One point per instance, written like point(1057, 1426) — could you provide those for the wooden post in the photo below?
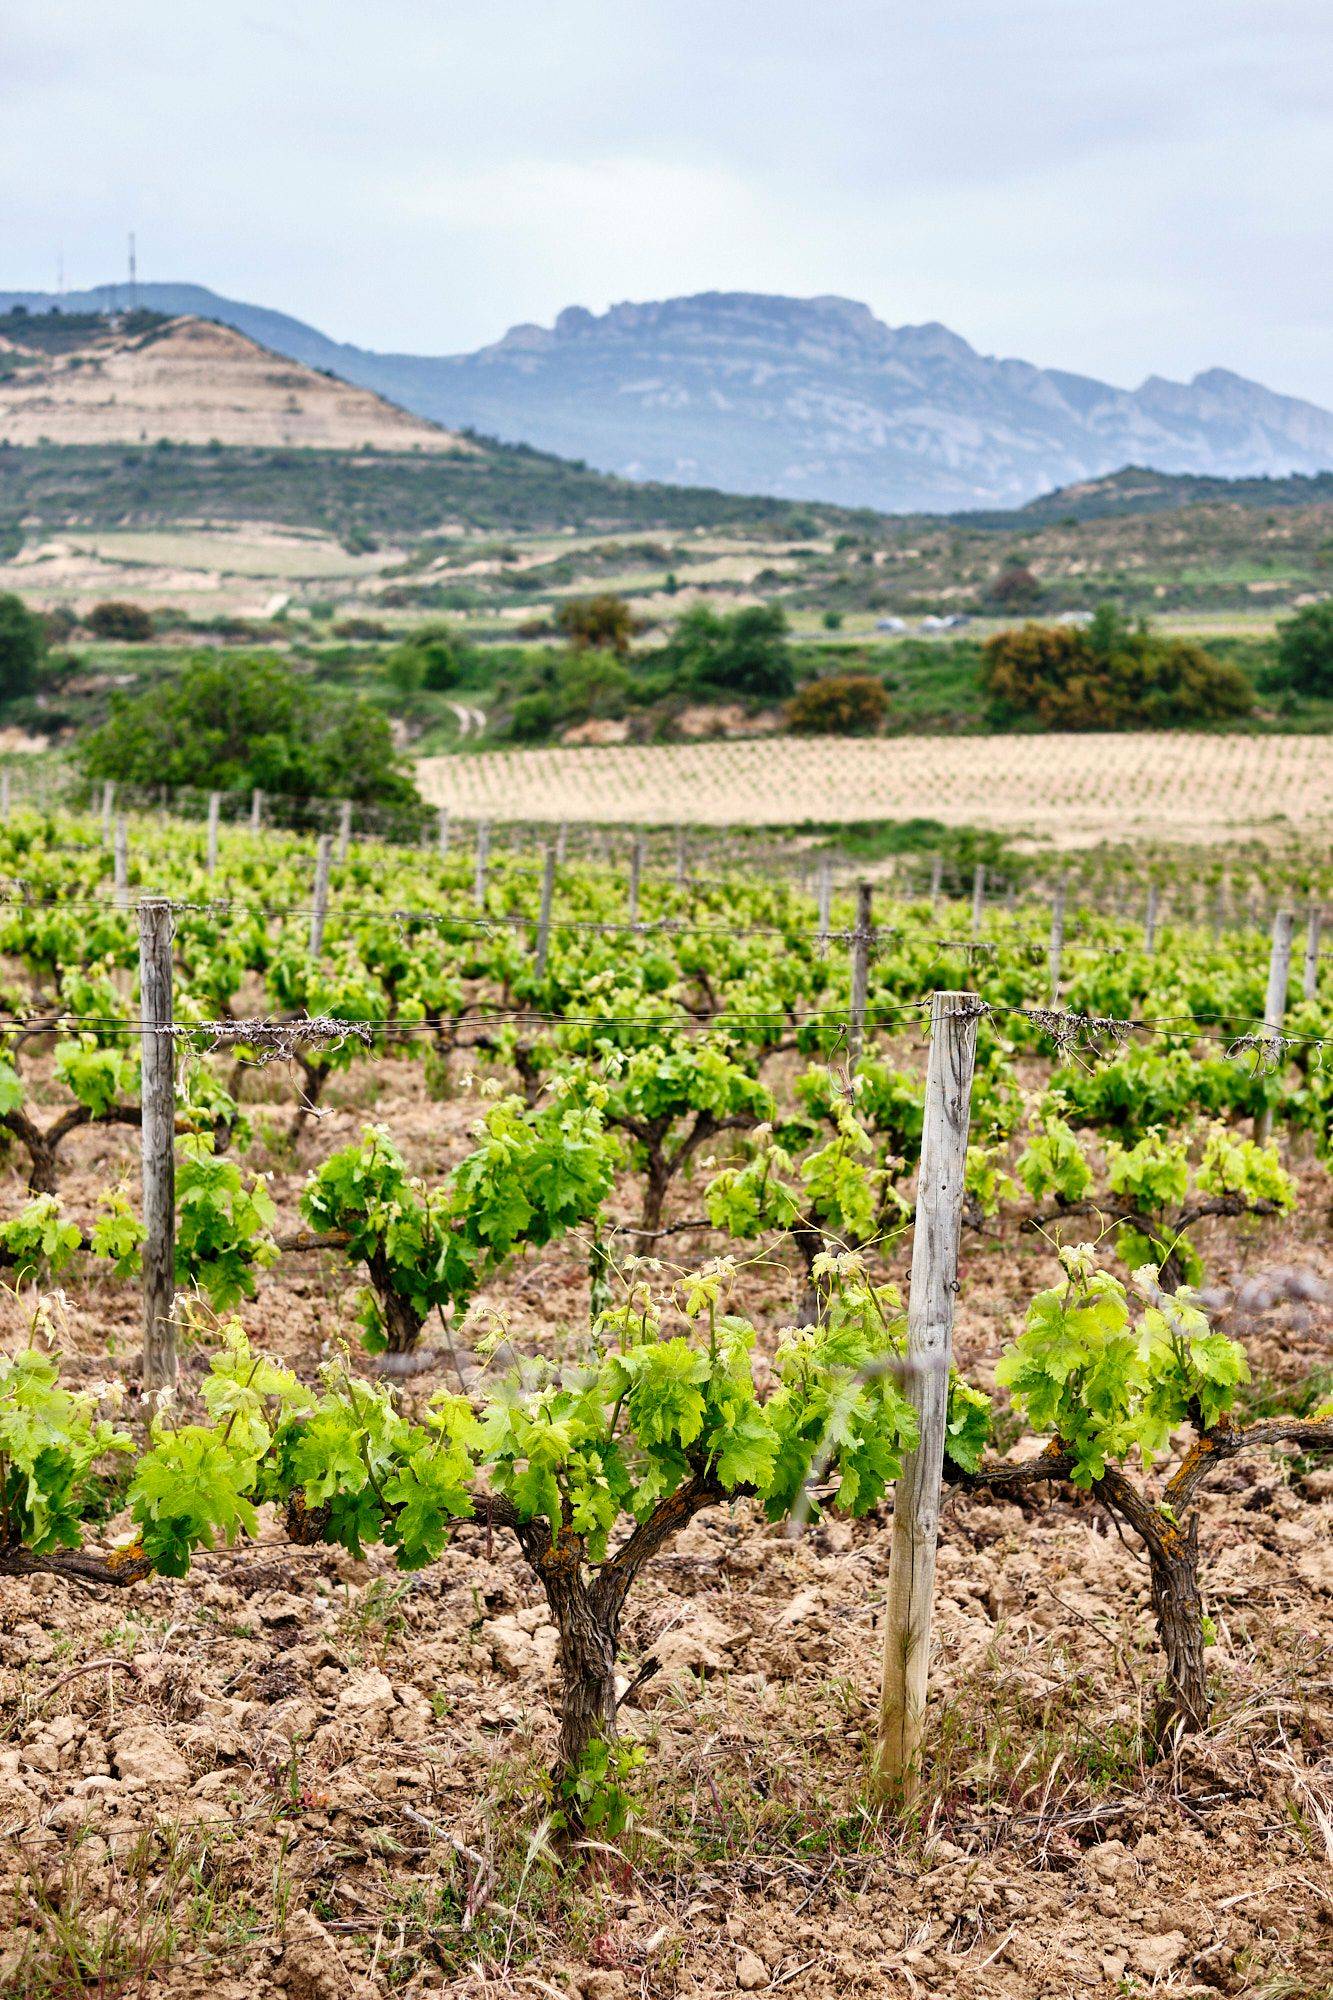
point(319, 908)
point(1057, 938)
point(824, 892)
point(1150, 919)
point(1275, 1001)
point(4, 793)
point(635, 872)
point(561, 843)
point(157, 1096)
point(442, 832)
point(121, 863)
point(861, 937)
point(544, 916)
point(916, 1499)
point(978, 897)
point(214, 812)
point(483, 849)
point(1310, 976)
point(936, 878)
point(344, 831)
point(256, 809)
point(680, 856)
point(108, 807)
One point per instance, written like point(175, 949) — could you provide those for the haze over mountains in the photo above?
point(802, 398)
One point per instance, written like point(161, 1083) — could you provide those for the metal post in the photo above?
point(1275, 1002)
point(544, 917)
point(861, 937)
point(158, 1128)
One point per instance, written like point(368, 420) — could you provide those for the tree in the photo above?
point(22, 647)
point(1305, 650)
point(746, 653)
point(433, 658)
point(601, 624)
point(1016, 589)
point(1110, 676)
point(839, 705)
point(234, 724)
point(118, 620)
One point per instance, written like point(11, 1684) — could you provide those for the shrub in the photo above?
point(118, 620)
point(22, 646)
point(434, 658)
point(1110, 675)
point(533, 719)
point(601, 624)
point(839, 705)
point(746, 653)
point(233, 724)
point(1015, 589)
point(1305, 650)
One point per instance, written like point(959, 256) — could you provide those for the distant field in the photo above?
point(1073, 790)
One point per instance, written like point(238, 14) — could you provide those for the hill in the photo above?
point(187, 380)
point(1139, 489)
point(803, 398)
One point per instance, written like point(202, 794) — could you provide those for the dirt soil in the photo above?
point(296, 1773)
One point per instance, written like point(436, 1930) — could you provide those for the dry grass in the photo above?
point(1074, 790)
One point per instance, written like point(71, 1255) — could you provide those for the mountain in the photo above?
point(84, 380)
point(803, 398)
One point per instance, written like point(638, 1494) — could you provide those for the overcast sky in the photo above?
point(1121, 187)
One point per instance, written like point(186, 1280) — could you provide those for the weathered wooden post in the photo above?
point(256, 810)
point(108, 807)
point(1310, 973)
point(1150, 919)
point(824, 892)
point(442, 832)
point(120, 864)
point(158, 1137)
point(561, 843)
point(1057, 950)
point(483, 850)
point(344, 831)
point(214, 813)
point(681, 856)
point(544, 915)
point(319, 905)
point(936, 878)
point(1275, 1003)
point(916, 1500)
point(978, 897)
point(861, 940)
point(635, 872)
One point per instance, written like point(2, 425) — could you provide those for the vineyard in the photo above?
point(633, 1416)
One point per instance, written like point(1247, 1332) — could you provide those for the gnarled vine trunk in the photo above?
point(1178, 1607)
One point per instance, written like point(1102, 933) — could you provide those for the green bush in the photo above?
point(1305, 650)
point(234, 724)
point(22, 647)
point(1110, 675)
point(434, 658)
point(839, 705)
point(746, 653)
point(603, 623)
point(118, 620)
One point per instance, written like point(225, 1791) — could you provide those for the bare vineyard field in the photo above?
point(1073, 789)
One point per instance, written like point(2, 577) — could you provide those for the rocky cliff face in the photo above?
point(806, 399)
